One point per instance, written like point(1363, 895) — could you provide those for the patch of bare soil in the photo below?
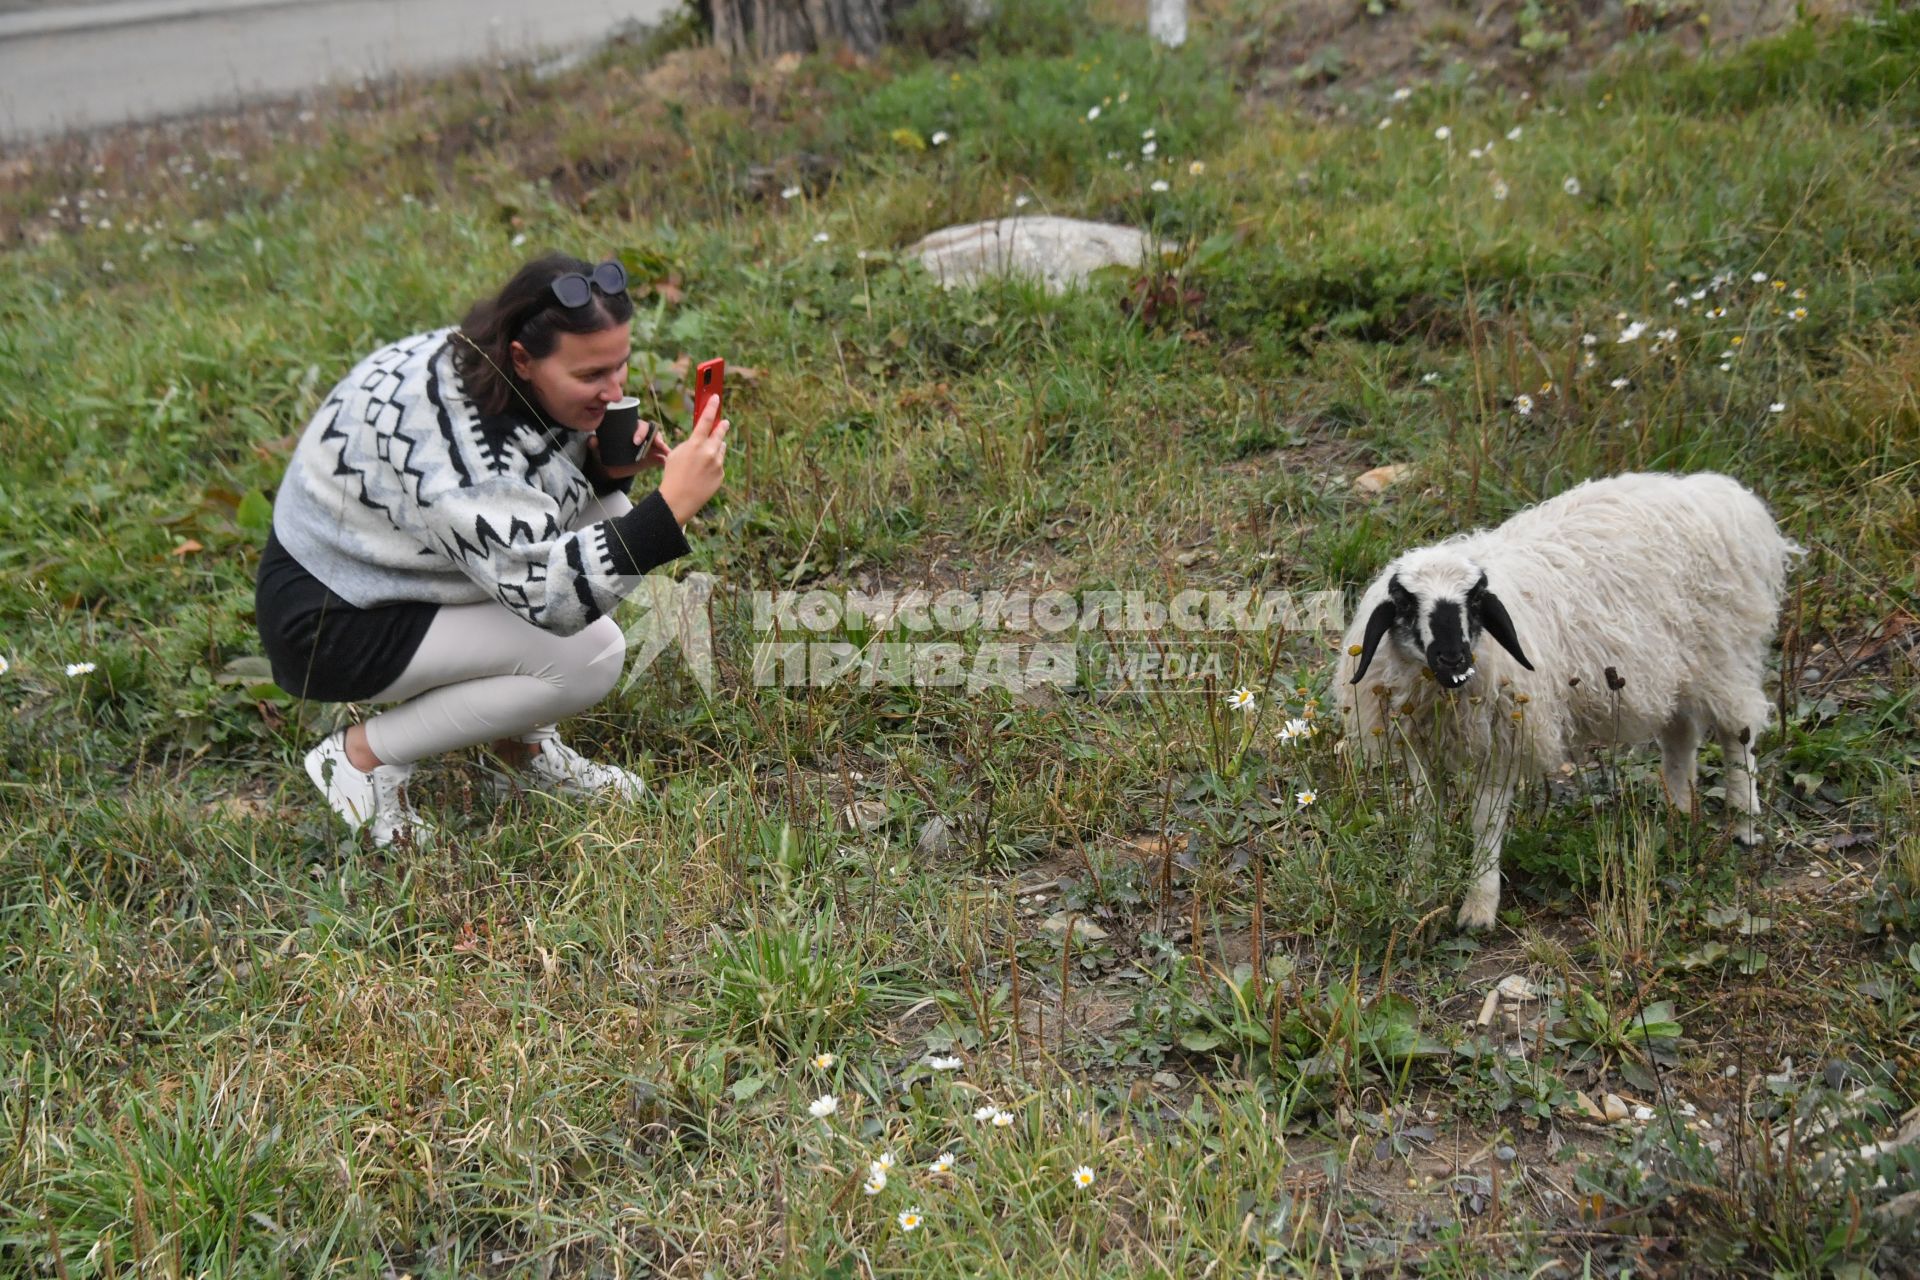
point(1320, 54)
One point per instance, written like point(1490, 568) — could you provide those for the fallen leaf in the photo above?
point(187, 547)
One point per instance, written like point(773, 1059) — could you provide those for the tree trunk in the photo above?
point(763, 28)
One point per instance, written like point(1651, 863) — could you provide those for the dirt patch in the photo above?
point(1321, 54)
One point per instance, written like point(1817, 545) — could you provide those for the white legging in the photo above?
point(483, 673)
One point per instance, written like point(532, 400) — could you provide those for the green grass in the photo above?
point(579, 1043)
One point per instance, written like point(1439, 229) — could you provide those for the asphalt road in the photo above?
point(85, 65)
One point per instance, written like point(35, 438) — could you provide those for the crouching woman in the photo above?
point(447, 541)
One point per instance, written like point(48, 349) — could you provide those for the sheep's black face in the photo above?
point(1436, 610)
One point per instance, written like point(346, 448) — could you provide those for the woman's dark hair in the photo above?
point(525, 311)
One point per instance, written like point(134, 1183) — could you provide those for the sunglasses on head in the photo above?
point(576, 290)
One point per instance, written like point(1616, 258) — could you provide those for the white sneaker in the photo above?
point(376, 800)
point(560, 770)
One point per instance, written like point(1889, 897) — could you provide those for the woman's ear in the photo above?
point(522, 362)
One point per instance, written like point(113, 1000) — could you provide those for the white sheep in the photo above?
point(1636, 607)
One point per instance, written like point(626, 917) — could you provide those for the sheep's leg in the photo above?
point(1492, 802)
point(1743, 791)
point(1680, 761)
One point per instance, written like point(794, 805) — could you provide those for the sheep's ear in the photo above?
point(1495, 622)
point(1377, 626)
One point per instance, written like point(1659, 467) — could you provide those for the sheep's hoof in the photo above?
point(1746, 837)
point(1478, 913)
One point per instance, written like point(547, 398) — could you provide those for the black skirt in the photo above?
point(323, 648)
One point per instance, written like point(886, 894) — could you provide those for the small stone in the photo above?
point(1614, 1107)
point(1187, 559)
point(1166, 1079)
point(1084, 930)
point(1516, 987)
point(1379, 478)
point(864, 815)
point(936, 838)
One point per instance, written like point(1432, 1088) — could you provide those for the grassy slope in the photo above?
point(234, 1043)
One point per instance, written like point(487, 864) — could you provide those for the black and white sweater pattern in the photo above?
point(400, 490)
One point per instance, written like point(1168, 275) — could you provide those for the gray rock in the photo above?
point(937, 838)
point(1060, 252)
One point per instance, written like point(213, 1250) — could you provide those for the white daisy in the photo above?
point(79, 668)
point(820, 237)
point(1241, 699)
point(1618, 384)
point(1571, 186)
point(1523, 405)
point(910, 1219)
point(1305, 798)
point(1093, 113)
point(1003, 1119)
point(1159, 184)
point(1499, 189)
point(986, 1113)
point(944, 1064)
point(1778, 406)
point(823, 1061)
point(939, 137)
point(1513, 134)
point(823, 1106)
point(1443, 133)
point(788, 193)
point(942, 1163)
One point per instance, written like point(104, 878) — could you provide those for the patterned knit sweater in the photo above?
point(400, 490)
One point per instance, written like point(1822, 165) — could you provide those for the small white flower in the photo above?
point(1681, 303)
point(1241, 699)
point(1113, 155)
point(1146, 133)
point(1402, 94)
point(1523, 405)
point(1295, 730)
point(1799, 293)
point(1159, 184)
point(944, 1064)
point(5, 666)
point(1618, 384)
point(1698, 294)
point(519, 239)
point(1304, 798)
point(1149, 149)
point(886, 1162)
point(986, 1113)
point(1798, 313)
point(1474, 154)
point(823, 1061)
point(79, 668)
point(910, 1219)
point(820, 237)
point(1587, 360)
point(1726, 368)
point(939, 137)
point(1778, 406)
point(788, 193)
point(1513, 134)
point(876, 1183)
point(1667, 335)
point(1385, 122)
point(1499, 189)
point(1093, 113)
point(1571, 186)
point(1758, 277)
point(1003, 1119)
point(1429, 378)
point(1443, 133)
point(1199, 167)
point(1632, 332)
point(1083, 1176)
point(1021, 202)
point(823, 1106)
point(942, 1163)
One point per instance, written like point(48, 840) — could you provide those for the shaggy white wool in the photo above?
point(1673, 582)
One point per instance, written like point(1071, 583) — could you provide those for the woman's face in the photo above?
point(583, 373)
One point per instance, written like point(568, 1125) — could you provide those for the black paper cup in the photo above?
point(617, 448)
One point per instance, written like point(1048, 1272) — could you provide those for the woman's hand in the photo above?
point(693, 469)
point(655, 455)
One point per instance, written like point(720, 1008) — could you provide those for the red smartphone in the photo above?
point(707, 382)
